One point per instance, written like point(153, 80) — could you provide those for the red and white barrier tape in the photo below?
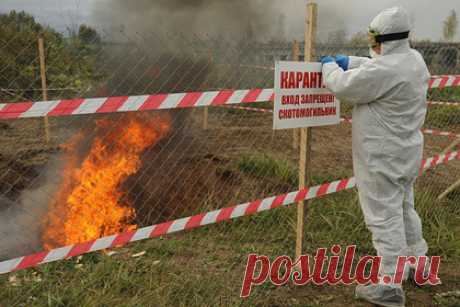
point(258, 67)
point(132, 103)
point(440, 159)
point(269, 68)
point(441, 133)
point(175, 226)
point(264, 110)
point(346, 120)
point(154, 102)
point(349, 121)
point(444, 81)
point(425, 131)
point(260, 110)
point(442, 103)
point(196, 221)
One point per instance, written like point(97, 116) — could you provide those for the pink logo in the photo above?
point(326, 269)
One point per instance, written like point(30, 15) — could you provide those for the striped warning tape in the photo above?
point(440, 159)
point(260, 110)
point(154, 102)
point(425, 131)
point(441, 81)
point(442, 103)
point(265, 110)
point(444, 81)
point(349, 121)
point(268, 68)
point(196, 221)
point(132, 103)
point(441, 133)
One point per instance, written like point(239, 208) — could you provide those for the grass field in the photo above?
point(205, 267)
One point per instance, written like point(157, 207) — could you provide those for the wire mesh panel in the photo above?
point(100, 175)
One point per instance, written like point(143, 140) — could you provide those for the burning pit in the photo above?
point(90, 201)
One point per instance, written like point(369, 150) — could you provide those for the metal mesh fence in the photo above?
point(105, 174)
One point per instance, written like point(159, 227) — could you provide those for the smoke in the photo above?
point(21, 221)
point(264, 19)
point(227, 19)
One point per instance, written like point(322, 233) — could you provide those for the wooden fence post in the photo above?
point(306, 133)
point(205, 118)
point(41, 51)
point(456, 185)
point(295, 57)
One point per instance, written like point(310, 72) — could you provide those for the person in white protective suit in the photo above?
point(388, 93)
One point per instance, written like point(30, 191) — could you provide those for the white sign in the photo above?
point(301, 99)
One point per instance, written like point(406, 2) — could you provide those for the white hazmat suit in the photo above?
point(388, 93)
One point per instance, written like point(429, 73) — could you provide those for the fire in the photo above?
point(90, 202)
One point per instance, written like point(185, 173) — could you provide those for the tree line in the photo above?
point(70, 59)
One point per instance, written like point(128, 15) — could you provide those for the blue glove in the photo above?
point(343, 61)
point(327, 59)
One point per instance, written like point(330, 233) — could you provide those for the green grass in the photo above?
point(280, 170)
point(246, 113)
point(266, 166)
point(441, 224)
point(451, 94)
point(204, 267)
point(443, 116)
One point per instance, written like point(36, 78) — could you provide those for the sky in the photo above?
point(351, 15)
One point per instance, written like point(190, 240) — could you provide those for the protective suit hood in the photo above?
point(389, 21)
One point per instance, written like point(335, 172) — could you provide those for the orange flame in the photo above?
point(89, 203)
